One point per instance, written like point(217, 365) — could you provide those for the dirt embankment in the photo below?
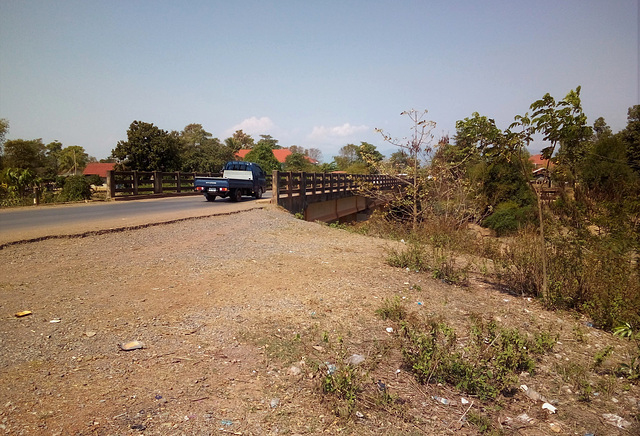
point(235, 313)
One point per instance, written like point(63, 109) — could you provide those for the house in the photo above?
point(98, 168)
point(279, 153)
point(540, 167)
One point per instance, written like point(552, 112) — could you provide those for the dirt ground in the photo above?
point(239, 317)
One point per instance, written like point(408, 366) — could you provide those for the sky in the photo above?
point(318, 74)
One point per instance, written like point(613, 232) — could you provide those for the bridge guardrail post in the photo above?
point(111, 185)
point(157, 182)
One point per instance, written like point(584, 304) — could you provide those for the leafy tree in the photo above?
point(327, 167)
point(4, 129)
point(347, 156)
point(262, 154)
point(605, 171)
point(269, 141)
point(200, 152)
point(73, 158)
point(148, 148)
point(18, 181)
point(52, 153)
point(298, 162)
point(238, 141)
point(25, 154)
point(631, 136)
point(369, 154)
point(562, 123)
point(312, 153)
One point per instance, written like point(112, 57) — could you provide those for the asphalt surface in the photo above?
point(29, 223)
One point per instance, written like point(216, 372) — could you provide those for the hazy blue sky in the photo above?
point(311, 73)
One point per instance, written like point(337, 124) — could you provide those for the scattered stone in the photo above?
point(359, 415)
point(294, 371)
point(555, 427)
point(318, 348)
point(133, 345)
point(354, 359)
point(90, 334)
point(274, 402)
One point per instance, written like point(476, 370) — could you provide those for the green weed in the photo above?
point(392, 309)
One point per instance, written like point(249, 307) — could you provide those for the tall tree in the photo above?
point(26, 154)
point(200, 152)
point(262, 154)
point(148, 148)
point(631, 136)
point(73, 158)
point(347, 156)
point(269, 141)
point(417, 145)
point(4, 129)
point(239, 140)
point(562, 123)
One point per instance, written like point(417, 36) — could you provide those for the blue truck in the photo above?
point(238, 179)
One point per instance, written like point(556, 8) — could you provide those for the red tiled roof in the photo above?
point(539, 162)
point(279, 153)
point(98, 168)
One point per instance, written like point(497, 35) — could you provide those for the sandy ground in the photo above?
point(236, 315)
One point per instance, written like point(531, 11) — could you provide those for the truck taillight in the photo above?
point(199, 188)
point(223, 189)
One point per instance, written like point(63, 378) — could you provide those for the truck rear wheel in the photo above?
point(236, 195)
point(258, 193)
point(210, 197)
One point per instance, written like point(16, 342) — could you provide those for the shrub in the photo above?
point(508, 217)
point(76, 188)
point(488, 364)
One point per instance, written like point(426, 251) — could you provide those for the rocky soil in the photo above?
point(239, 317)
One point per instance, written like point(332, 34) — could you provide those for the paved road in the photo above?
point(38, 222)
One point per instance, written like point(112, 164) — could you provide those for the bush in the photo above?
point(508, 217)
point(76, 188)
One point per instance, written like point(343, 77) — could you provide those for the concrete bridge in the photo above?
point(328, 197)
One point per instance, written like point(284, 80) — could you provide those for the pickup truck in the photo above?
point(238, 179)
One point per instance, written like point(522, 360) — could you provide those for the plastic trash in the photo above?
point(274, 402)
point(381, 386)
point(226, 422)
point(359, 414)
point(331, 368)
point(23, 313)
point(464, 401)
point(616, 420)
point(535, 396)
point(549, 408)
point(440, 399)
point(389, 329)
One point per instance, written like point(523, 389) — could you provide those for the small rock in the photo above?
point(359, 415)
point(274, 402)
point(354, 359)
point(90, 334)
point(294, 371)
point(555, 427)
point(133, 345)
point(318, 348)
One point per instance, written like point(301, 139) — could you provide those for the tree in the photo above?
point(262, 154)
point(73, 158)
point(297, 162)
point(369, 154)
point(238, 141)
point(417, 145)
point(200, 152)
point(631, 136)
point(148, 148)
point(269, 141)
point(4, 129)
point(562, 123)
point(25, 154)
point(348, 155)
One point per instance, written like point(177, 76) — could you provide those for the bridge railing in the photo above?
point(140, 184)
point(295, 190)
